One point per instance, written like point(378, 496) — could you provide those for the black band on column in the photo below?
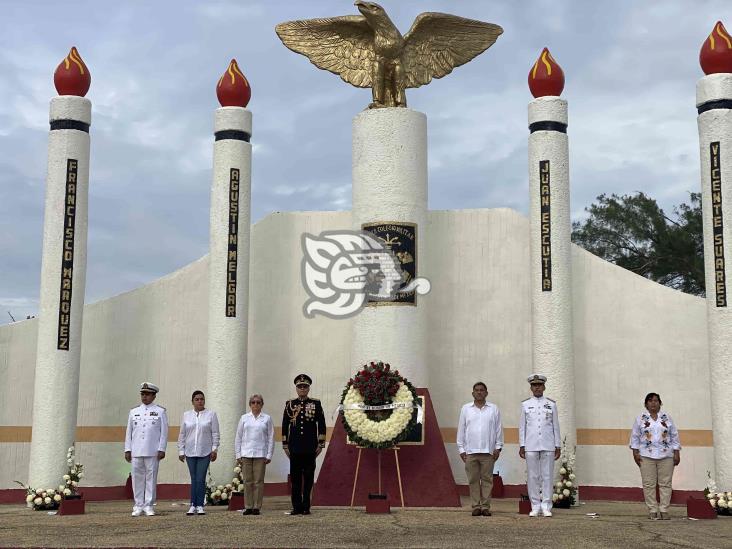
point(68, 124)
point(232, 134)
point(719, 104)
point(548, 126)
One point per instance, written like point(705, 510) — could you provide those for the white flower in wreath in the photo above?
point(565, 492)
point(47, 500)
point(67, 492)
point(56, 498)
point(713, 503)
point(66, 477)
point(722, 503)
point(29, 498)
point(710, 496)
point(81, 475)
point(378, 431)
point(558, 484)
point(562, 471)
point(560, 496)
point(61, 487)
point(37, 501)
point(555, 497)
point(568, 484)
point(224, 496)
point(572, 476)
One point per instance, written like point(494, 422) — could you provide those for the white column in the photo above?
point(228, 288)
point(390, 184)
point(714, 102)
point(550, 255)
point(63, 280)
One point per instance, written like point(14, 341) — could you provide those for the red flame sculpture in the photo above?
point(233, 89)
point(72, 76)
point(546, 77)
point(716, 51)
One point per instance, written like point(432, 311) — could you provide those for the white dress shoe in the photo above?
point(149, 511)
point(191, 511)
point(534, 513)
point(200, 511)
point(136, 511)
point(547, 512)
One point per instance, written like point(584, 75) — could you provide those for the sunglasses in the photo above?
point(302, 386)
point(256, 402)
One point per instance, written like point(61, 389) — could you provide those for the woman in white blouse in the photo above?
point(654, 440)
point(254, 445)
point(198, 442)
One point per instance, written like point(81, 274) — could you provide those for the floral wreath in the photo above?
point(377, 405)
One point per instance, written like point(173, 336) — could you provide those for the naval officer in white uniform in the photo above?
point(145, 444)
point(540, 445)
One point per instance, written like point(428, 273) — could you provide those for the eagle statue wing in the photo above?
point(341, 45)
point(439, 42)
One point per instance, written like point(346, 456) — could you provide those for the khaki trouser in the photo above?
point(479, 468)
point(253, 469)
point(657, 471)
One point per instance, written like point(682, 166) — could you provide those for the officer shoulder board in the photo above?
point(551, 400)
point(313, 398)
point(524, 400)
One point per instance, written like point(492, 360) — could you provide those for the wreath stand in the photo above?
point(379, 503)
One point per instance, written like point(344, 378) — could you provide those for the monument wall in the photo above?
point(631, 335)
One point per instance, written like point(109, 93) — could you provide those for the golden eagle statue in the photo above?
point(368, 51)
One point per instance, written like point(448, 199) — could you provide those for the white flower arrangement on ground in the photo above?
point(221, 494)
point(377, 385)
point(720, 501)
point(565, 489)
point(50, 498)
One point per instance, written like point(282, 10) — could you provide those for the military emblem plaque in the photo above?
point(387, 283)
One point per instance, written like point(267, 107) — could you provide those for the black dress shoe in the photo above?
point(248, 512)
point(255, 511)
point(296, 512)
point(306, 512)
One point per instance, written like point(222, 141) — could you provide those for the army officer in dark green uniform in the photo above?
point(303, 438)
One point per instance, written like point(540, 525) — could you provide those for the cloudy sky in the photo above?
point(631, 68)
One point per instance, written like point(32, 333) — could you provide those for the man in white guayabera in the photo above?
point(540, 445)
point(479, 441)
point(145, 443)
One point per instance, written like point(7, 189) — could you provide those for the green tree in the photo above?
point(633, 232)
